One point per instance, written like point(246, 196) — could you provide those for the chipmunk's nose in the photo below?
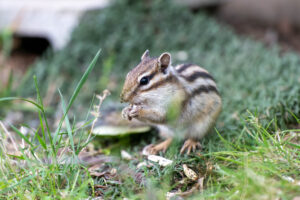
point(125, 96)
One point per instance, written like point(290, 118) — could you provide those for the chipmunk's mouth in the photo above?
point(138, 102)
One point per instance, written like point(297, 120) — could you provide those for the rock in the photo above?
point(160, 160)
point(125, 155)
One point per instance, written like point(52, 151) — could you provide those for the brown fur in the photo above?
point(131, 82)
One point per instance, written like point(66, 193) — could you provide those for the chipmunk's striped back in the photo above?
point(195, 80)
point(202, 102)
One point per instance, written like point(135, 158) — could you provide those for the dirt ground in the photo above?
point(269, 21)
point(24, 53)
point(284, 34)
point(17, 64)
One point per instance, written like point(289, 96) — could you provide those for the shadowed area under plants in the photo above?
point(250, 155)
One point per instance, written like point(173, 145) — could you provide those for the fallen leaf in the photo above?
point(160, 160)
point(142, 164)
point(189, 173)
point(173, 196)
point(97, 174)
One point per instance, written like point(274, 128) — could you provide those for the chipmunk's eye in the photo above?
point(144, 80)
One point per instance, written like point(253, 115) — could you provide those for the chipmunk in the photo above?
point(152, 87)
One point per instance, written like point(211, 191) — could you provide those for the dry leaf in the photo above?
point(141, 164)
point(173, 196)
point(200, 183)
point(190, 173)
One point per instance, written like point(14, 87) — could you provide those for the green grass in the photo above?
point(252, 154)
point(6, 42)
point(40, 171)
point(262, 170)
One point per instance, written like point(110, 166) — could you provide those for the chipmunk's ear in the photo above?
point(164, 61)
point(146, 54)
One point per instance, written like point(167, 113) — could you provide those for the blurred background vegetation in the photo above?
point(250, 76)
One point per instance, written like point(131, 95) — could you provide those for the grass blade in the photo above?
point(41, 141)
point(43, 112)
point(69, 130)
point(76, 92)
point(22, 99)
point(18, 183)
point(22, 136)
point(42, 129)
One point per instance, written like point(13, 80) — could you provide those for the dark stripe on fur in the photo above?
point(137, 88)
point(204, 89)
point(152, 75)
point(184, 67)
point(198, 91)
point(168, 79)
point(197, 75)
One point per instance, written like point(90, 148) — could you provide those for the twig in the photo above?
point(96, 112)
point(9, 135)
point(196, 187)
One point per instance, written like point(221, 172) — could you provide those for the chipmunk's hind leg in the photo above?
point(190, 145)
point(194, 133)
point(163, 146)
point(164, 132)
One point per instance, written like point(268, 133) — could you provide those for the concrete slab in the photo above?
point(51, 19)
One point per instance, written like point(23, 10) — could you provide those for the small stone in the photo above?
point(160, 160)
point(141, 164)
point(125, 155)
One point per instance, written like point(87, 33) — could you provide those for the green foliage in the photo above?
point(41, 172)
point(173, 112)
point(267, 170)
point(6, 42)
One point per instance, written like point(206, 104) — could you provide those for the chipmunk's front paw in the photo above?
point(125, 112)
point(131, 111)
point(135, 110)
